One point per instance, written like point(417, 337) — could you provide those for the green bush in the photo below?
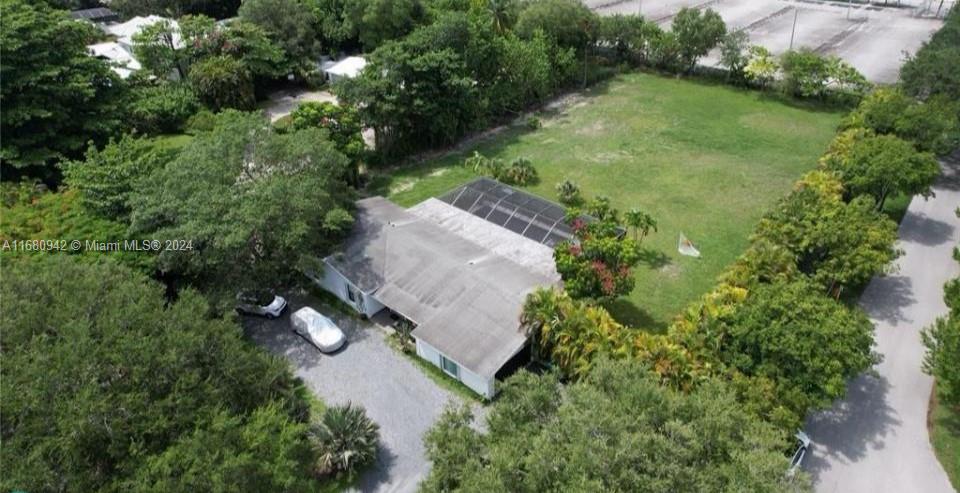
point(568, 192)
point(520, 172)
point(162, 108)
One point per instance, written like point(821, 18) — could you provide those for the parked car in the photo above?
point(317, 329)
point(263, 304)
point(803, 444)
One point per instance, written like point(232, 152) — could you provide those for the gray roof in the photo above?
point(465, 298)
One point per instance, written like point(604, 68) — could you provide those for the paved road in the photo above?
point(876, 439)
point(397, 395)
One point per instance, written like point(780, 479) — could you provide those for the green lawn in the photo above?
point(945, 437)
point(703, 158)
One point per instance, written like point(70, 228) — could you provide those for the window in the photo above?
point(350, 294)
point(449, 366)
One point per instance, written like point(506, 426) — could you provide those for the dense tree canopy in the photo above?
point(837, 244)
point(697, 32)
point(218, 9)
point(931, 126)
point(617, 430)
point(108, 177)
point(256, 204)
point(107, 384)
point(291, 24)
point(55, 96)
point(796, 336)
point(880, 166)
point(566, 22)
point(935, 69)
point(942, 341)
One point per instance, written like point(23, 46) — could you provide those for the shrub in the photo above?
point(162, 108)
point(345, 439)
point(222, 82)
point(202, 121)
point(569, 192)
point(533, 123)
point(520, 172)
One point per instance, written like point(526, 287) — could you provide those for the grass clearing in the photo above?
point(944, 424)
point(705, 159)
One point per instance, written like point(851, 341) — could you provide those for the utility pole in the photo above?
point(639, 8)
point(793, 30)
point(848, 8)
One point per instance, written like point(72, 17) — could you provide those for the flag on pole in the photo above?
point(685, 247)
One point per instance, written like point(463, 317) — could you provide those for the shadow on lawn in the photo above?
point(630, 314)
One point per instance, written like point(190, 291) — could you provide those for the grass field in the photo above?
point(705, 159)
point(945, 437)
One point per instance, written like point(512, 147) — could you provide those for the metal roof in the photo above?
point(98, 14)
point(465, 298)
point(516, 210)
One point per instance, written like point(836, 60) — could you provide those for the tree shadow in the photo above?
point(655, 259)
point(630, 314)
point(950, 167)
point(845, 431)
point(378, 474)
point(885, 298)
point(917, 227)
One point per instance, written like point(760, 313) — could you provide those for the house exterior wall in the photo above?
point(483, 386)
point(335, 283)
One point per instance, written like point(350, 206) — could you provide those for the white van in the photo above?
point(317, 329)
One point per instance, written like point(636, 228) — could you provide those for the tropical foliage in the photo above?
point(345, 439)
point(616, 430)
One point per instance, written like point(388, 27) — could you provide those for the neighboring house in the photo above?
point(120, 51)
point(98, 15)
point(121, 59)
point(458, 267)
point(345, 68)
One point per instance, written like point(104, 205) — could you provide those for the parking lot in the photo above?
point(873, 38)
point(396, 394)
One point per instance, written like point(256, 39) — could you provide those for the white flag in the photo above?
point(685, 247)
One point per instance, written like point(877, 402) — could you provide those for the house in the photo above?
point(458, 267)
point(348, 67)
point(119, 52)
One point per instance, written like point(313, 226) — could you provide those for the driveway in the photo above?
point(396, 394)
point(281, 103)
point(876, 439)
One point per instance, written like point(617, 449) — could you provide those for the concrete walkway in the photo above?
point(876, 439)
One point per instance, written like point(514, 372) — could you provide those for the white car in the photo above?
point(317, 329)
point(264, 305)
point(803, 444)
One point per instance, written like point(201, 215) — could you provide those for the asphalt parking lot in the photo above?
point(395, 393)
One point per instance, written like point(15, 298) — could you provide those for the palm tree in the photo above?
point(641, 222)
point(539, 319)
point(345, 439)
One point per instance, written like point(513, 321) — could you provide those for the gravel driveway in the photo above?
point(396, 394)
point(876, 439)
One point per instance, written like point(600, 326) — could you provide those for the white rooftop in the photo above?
point(125, 31)
point(122, 61)
point(350, 66)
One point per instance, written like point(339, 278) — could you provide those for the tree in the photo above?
point(942, 340)
point(931, 126)
point(697, 33)
point(222, 82)
point(881, 166)
point(935, 69)
point(762, 68)
point(107, 178)
point(837, 244)
point(797, 337)
point(417, 92)
point(599, 263)
point(257, 206)
point(342, 123)
point(265, 451)
point(290, 24)
point(617, 430)
point(244, 41)
point(55, 96)
point(641, 222)
point(103, 376)
point(159, 49)
point(375, 22)
point(562, 21)
point(525, 75)
point(346, 440)
point(568, 192)
point(734, 53)
point(161, 108)
point(846, 78)
point(218, 9)
point(805, 73)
